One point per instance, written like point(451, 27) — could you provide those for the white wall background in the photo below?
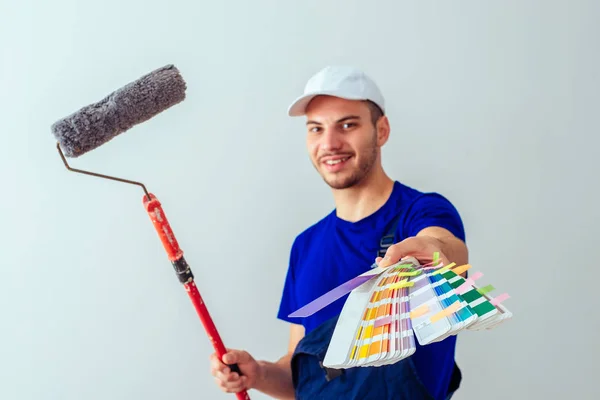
point(494, 104)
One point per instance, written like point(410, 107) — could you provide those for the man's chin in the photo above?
point(340, 182)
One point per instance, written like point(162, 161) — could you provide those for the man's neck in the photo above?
point(364, 199)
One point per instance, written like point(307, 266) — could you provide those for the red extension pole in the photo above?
point(184, 273)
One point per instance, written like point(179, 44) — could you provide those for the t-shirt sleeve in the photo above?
point(433, 209)
point(288, 303)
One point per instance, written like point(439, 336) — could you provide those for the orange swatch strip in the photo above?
point(419, 311)
point(461, 269)
point(446, 312)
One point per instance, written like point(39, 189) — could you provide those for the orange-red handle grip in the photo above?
point(161, 224)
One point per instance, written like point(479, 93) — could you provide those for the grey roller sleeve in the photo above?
point(97, 123)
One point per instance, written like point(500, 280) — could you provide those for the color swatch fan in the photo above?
point(390, 309)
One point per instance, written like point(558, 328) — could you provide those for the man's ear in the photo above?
point(383, 130)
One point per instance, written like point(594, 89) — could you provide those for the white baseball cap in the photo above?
point(340, 81)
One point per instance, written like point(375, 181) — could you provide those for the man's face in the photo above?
point(342, 142)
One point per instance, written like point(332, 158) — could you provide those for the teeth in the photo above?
point(333, 162)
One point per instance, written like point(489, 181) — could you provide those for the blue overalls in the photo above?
point(398, 381)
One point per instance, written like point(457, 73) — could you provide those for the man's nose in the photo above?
point(330, 140)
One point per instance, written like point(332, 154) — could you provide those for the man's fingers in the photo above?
point(228, 381)
point(416, 247)
point(236, 357)
point(227, 376)
point(234, 387)
point(402, 249)
point(393, 254)
point(217, 365)
point(238, 385)
point(231, 357)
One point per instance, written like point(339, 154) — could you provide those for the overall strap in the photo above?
point(390, 237)
point(386, 241)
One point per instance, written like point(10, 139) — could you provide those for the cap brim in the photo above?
point(298, 107)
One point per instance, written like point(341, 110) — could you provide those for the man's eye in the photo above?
point(348, 125)
point(314, 129)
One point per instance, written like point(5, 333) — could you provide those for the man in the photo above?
point(346, 129)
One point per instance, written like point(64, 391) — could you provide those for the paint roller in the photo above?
point(99, 123)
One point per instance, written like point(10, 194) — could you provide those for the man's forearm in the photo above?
point(455, 250)
point(275, 379)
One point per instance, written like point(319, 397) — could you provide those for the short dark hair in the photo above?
point(375, 110)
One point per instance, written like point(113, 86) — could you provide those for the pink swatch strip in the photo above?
point(383, 321)
point(499, 299)
point(468, 284)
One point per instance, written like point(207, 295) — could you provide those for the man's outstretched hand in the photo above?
point(420, 247)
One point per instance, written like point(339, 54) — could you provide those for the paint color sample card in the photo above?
point(488, 314)
point(462, 316)
point(374, 326)
point(351, 319)
point(423, 297)
point(384, 316)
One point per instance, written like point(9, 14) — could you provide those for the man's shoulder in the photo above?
point(406, 192)
point(410, 194)
point(407, 197)
point(425, 208)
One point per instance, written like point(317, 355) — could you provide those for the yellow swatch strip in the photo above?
point(360, 328)
point(402, 284)
point(409, 273)
point(446, 312)
point(363, 351)
point(368, 332)
point(443, 269)
point(436, 258)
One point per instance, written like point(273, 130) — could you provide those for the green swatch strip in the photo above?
point(486, 289)
point(471, 296)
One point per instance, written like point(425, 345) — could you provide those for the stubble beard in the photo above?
point(362, 170)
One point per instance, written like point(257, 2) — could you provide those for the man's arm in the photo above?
point(275, 379)
point(422, 246)
point(455, 249)
point(272, 378)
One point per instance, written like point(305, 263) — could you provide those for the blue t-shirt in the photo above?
point(333, 251)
